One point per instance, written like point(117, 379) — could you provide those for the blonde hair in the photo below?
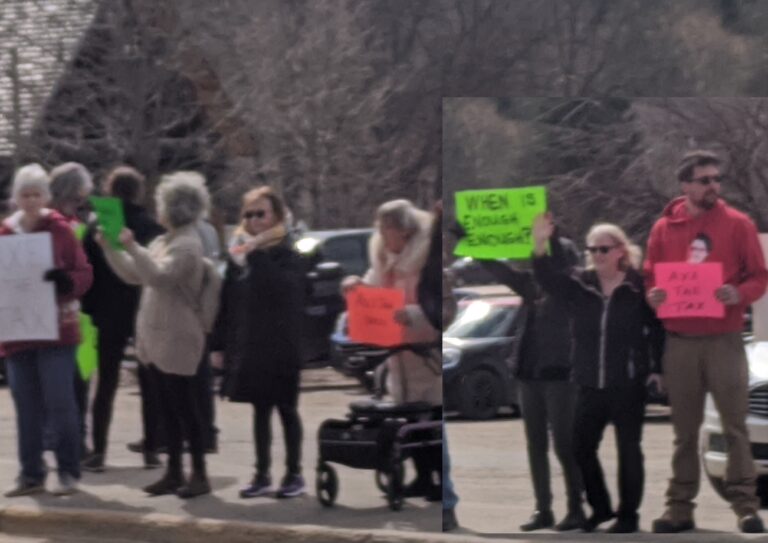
point(633, 255)
point(399, 214)
point(264, 192)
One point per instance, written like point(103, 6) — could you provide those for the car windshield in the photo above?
point(482, 319)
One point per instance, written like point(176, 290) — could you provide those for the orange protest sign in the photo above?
point(690, 289)
point(371, 315)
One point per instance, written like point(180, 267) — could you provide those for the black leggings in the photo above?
point(262, 430)
point(180, 407)
point(111, 348)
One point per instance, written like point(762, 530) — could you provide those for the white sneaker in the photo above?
point(67, 486)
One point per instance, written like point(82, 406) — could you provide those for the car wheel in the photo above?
point(480, 395)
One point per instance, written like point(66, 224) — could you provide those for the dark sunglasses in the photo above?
point(707, 179)
point(260, 214)
point(602, 249)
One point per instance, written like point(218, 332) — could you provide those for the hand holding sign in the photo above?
point(371, 315)
point(499, 222)
point(109, 212)
point(728, 294)
point(543, 228)
point(690, 289)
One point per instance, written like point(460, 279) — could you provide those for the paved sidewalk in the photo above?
point(360, 505)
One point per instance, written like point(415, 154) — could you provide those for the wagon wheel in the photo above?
point(326, 484)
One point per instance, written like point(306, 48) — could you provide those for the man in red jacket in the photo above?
point(707, 354)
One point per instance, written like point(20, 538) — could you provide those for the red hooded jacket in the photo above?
point(734, 242)
point(68, 255)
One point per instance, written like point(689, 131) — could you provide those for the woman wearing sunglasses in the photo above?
point(258, 332)
point(617, 348)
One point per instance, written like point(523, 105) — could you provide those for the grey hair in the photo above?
point(30, 176)
point(68, 180)
point(400, 214)
point(182, 198)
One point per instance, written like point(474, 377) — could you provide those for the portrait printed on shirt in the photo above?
point(699, 249)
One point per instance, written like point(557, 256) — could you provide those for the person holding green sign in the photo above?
point(71, 183)
point(113, 305)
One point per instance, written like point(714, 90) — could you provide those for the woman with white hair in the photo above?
point(398, 251)
point(41, 373)
point(616, 351)
point(170, 335)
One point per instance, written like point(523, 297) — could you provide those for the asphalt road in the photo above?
point(491, 475)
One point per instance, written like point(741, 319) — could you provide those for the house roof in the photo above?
point(39, 39)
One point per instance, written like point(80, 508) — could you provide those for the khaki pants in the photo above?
point(694, 366)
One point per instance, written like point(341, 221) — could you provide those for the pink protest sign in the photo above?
point(690, 289)
point(371, 315)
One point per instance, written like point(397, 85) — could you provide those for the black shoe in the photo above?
point(94, 463)
point(751, 524)
point(138, 447)
point(418, 488)
point(197, 486)
point(665, 525)
point(596, 520)
point(434, 493)
point(169, 484)
point(574, 520)
point(449, 520)
point(151, 460)
point(624, 526)
point(538, 521)
point(85, 452)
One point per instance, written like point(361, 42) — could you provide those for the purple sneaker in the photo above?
point(260, 486)
point(291, 486)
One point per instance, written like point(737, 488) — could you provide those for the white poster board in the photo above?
point(28, 308)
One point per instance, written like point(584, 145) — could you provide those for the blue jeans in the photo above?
point(450, 499)
point(41, 385)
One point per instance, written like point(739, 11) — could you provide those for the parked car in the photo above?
point(713, 444)
point(331, 255)
point(479, 353)
point(467, 271)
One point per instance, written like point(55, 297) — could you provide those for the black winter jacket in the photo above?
point(618, 340)
point(110, 302)
point(544, 352)
point(259, 326)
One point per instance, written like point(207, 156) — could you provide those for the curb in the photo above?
point(156, 527)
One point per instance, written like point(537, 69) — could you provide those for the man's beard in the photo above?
point(708, 201)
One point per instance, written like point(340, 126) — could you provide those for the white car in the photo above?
point(712, 440)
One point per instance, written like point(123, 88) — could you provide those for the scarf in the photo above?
point(243, 243)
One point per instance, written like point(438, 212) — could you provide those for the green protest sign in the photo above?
point(498, 222)
point(109, 212)
point(80, 230)
point(88, 351)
